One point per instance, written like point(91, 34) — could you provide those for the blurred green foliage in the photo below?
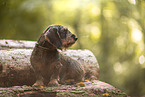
point(114, 30)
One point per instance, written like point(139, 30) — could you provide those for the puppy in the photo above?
point(50, 66)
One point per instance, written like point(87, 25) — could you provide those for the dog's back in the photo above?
point(71, 70)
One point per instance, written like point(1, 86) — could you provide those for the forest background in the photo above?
point(114, 30)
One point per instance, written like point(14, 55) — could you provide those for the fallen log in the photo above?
point(93, 88)
point(15, 67)
point(8, 44)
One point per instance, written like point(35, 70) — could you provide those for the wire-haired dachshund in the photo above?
point(50, 66)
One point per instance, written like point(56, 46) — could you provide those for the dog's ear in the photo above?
point(53, 37)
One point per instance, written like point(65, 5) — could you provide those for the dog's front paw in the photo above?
point(53, 83)
point(38, 83)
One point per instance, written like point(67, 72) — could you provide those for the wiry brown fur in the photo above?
point(71, 71)
point(50, 66)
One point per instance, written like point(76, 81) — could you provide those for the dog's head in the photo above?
point(60, 36)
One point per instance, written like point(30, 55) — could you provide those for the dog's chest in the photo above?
point(50, 57)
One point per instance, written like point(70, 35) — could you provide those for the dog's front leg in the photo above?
point(55, 77)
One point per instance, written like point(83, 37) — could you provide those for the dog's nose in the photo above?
point(73, 36)
point(76, 38)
